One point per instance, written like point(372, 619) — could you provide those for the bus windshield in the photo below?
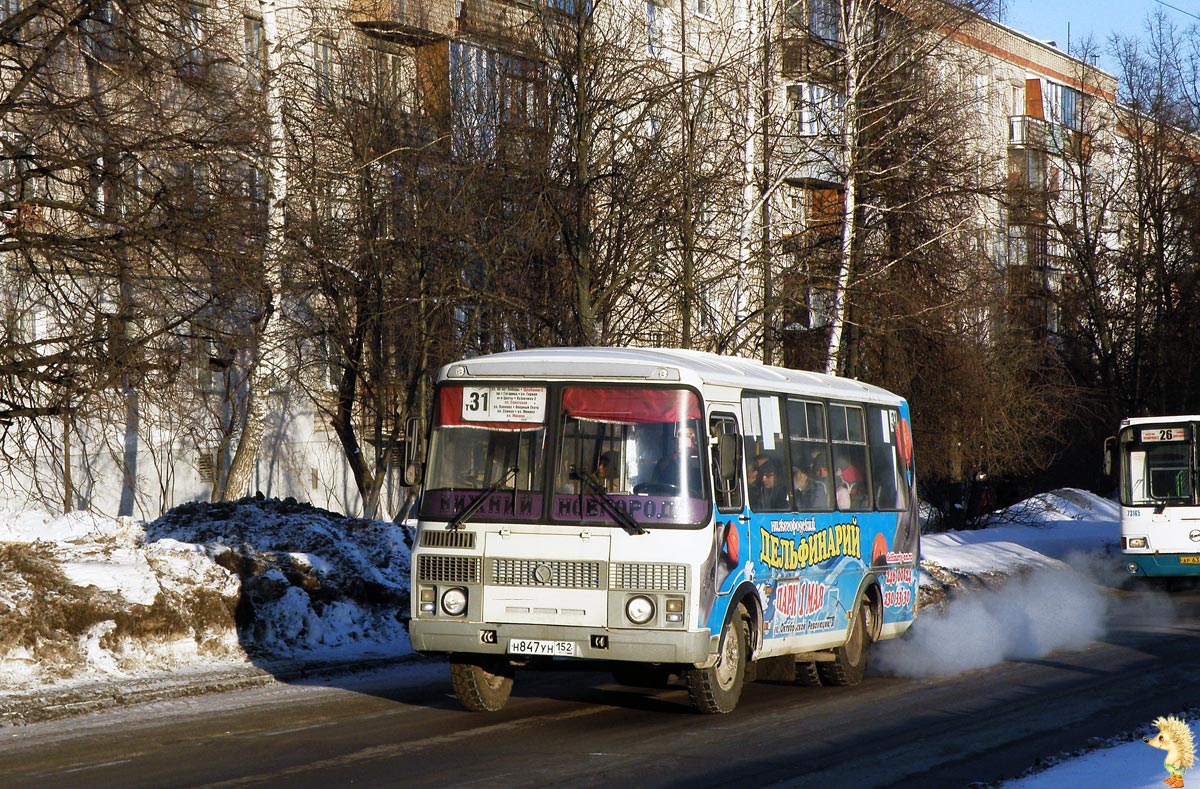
point(485, 437)
point(1158, 466)
point(625, 456)
point(636, 448)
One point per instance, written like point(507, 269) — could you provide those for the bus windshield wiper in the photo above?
point(457, 522)
point(619, 515)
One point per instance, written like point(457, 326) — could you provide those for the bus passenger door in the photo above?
point(729, 537)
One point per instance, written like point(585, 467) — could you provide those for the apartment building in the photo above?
point(715, 184)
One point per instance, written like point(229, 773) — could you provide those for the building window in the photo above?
point(821, 18)
point(703, 8)
point(702, 100)
point(522, 93)
point(99, 30)
point(256, 56)
point(656, 30)
point(474, 96)
point(1071, 103)
point(1027, 168)
point(97, 189)
point(191, 31)
point(812, 109)
point(392, 77)
point(8, 10)
point(323, 67)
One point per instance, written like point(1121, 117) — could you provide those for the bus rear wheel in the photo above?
point(481, 684)
point(716, 689)
point(807, 674)
point(850, 660)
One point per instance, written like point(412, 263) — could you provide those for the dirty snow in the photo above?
point(85, 598)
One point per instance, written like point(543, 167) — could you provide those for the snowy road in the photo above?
point(401, 727)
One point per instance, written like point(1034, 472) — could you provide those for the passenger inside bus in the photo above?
point(768, 493)
point(681, 468)
point(809, 491)
point(849, 487)
point(607, 471)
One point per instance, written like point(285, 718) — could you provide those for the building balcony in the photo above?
point(812, 160)
point(1026, 131)
point(812, 58)
point(410, 21)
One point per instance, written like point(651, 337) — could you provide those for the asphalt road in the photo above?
point(402, 727)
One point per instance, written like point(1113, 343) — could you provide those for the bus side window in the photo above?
point(812, 489)
point(852, 482)
point(887, 466)
point(726, 462)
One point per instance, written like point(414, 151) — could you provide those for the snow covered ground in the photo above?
point(210, 594)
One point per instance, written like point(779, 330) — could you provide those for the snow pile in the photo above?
point(83, 597)
point(1049, 531)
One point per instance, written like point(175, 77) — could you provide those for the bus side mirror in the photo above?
point(414, 433)
point(1110, 455)
point(727, 455)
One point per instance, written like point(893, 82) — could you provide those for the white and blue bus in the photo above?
point(1160, 514)
point(666, 512)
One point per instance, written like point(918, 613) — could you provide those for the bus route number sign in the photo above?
point(517, 404)
point(1159, 434)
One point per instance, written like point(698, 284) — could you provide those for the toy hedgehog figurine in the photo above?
point(1175, 738)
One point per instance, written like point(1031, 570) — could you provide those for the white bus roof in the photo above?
point(1159, 420)
point(660, 365)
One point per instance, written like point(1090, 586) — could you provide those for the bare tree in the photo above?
point(122, 150)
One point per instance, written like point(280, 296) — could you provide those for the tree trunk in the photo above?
point(266, 366)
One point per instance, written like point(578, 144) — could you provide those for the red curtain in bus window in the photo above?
point(630, 405)
point(450, 413)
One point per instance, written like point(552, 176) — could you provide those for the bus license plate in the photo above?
point(529, 646)
point(1189, 559)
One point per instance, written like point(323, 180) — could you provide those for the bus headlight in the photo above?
point(1137, 542)
point(640, 609)
point(454, 601)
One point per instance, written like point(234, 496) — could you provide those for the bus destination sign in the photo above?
point(1159, 434)
point(519, 404)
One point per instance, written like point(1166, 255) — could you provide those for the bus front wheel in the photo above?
point(850, 661)
point(481, 684)
point(716, 689)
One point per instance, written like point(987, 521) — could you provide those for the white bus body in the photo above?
point(607, 504)
point(1160, 515)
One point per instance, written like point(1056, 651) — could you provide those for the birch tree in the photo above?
point(267, 366)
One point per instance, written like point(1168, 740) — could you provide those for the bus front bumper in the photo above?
point(1151, 564)
point(591, 643)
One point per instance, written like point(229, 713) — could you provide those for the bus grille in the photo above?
point(649, 577)
point(447, 539)
point(558, 573)
point(449, 569)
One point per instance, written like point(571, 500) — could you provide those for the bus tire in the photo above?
point(807, 675)
point(716, 690)
point(481, 684)
point(850, 660)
